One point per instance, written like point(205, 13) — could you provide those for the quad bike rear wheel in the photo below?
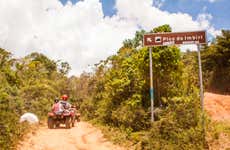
point(68, 122)
point(57, 125)
point(50, 123)
point(78, 119)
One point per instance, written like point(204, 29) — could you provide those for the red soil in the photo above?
point(217, 106)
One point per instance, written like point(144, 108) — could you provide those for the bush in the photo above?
point(179, 127)
point(27, 85)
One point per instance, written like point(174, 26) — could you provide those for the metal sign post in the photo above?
point(201, 91)
point(200, 79)
point(151, 84)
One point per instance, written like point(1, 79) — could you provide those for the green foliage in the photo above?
point(190, 70)
point(65, 68)
point(27, 85)
point(178, 127)
point(218, 134)
point(216, 62)
point(136, 41)
point(118, 95)
point(36, 58)
point(163, 28)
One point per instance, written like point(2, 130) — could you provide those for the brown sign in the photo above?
point(176, 38)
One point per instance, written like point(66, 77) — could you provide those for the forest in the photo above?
point(116, 93)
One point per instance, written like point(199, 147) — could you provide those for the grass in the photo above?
point(218, 135)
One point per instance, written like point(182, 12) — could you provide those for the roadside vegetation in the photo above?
point(28, 84)
point(115, 95)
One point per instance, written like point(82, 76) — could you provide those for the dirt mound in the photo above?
point(217, 106)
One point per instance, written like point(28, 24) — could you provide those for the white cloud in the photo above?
point(204, 8)
point(158, 3)
point(80, 34)
point(212, 1)
point(77, 33)
point(148, 16)
point(204, 22)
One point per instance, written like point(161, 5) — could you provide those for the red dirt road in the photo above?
point(217, 106)
point(82, 137)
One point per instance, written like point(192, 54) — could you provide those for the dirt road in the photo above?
point(82, 137)
point(217, 106)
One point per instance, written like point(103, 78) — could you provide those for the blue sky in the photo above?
point(219, 9)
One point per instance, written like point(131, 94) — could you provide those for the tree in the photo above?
point(216, 61)
point(163, 28)
point(64, 68)
point(28, 84)
point(121, 83)
point(49, 65)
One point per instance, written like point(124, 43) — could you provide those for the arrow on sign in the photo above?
point(149, 40)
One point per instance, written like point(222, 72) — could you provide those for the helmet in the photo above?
point(64, 97)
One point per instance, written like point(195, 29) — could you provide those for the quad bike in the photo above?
point(67, 117)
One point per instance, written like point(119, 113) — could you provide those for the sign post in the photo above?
point(201, 91)
point(151, 84)
point(176, 38)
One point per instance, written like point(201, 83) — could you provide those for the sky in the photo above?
point(83, 32)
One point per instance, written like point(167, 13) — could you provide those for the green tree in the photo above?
point(163, 28)
point(28, 84)
point(216, 61)
point(118, 95)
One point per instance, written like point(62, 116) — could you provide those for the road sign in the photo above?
point(174, 38)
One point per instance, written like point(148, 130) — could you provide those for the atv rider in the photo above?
point(57, 107)
point(66, 105)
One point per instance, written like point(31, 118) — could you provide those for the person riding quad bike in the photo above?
point(57, 107)
point(62, 113)
point(66, 105)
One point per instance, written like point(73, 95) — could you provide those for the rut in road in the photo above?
point(81, 137)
